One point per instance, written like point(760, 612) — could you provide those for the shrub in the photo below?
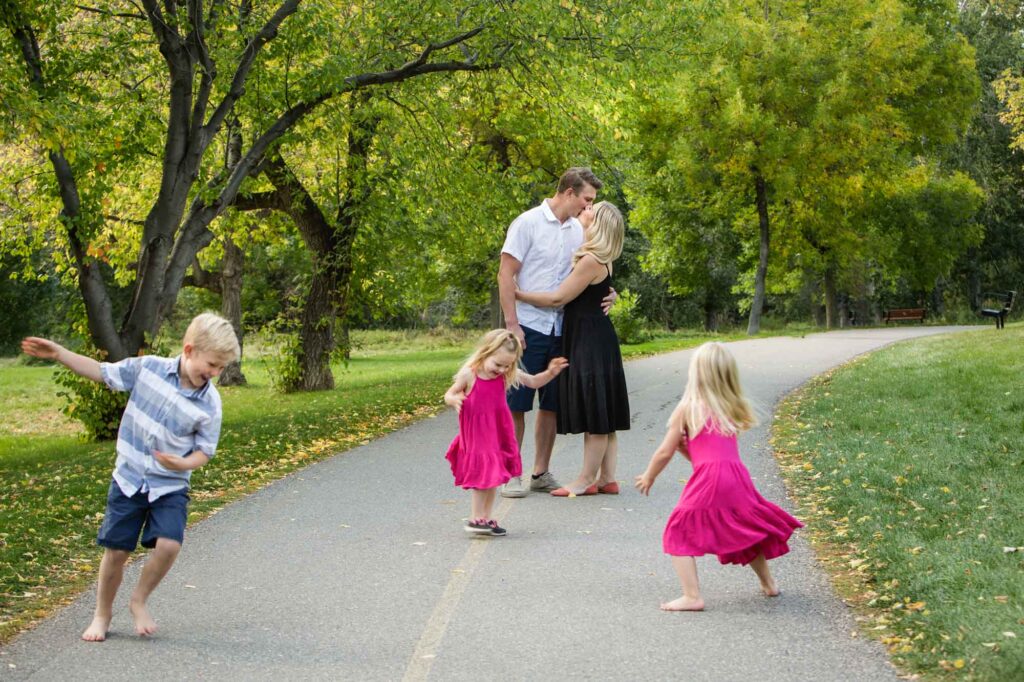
point(630, 324)
point(93, 404)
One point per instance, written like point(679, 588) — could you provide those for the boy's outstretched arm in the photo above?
point(48, 350)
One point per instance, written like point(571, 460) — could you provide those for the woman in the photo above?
point(592, 390)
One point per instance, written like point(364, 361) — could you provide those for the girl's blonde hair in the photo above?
point(606, 235)
point(492, 342)
point(713, 393)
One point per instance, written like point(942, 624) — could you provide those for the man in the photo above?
point(537, 256)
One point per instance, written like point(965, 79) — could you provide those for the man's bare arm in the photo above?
point(510, 267)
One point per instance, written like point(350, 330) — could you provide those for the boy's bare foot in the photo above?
point(97, 630)
point(770, 589)
point(684, 603)
point(144, 623)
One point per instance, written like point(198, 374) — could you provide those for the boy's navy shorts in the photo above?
point(540, 349)
point(126, 517)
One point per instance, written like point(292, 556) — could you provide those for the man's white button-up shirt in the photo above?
point(544, 245)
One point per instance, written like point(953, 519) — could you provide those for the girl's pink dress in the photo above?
point(720, 511)
point(485, 454)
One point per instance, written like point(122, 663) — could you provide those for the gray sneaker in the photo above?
point(545, 484)
point(514, 488)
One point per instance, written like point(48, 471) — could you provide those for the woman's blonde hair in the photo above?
point(492, 342)
point(211, 333)
point(713, 393)
point(606, 235)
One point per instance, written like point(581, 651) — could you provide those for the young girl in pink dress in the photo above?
point(720, 511)
point(485, 454)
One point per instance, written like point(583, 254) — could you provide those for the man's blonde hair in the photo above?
point(492, 342)
point(713, 393)
point(607, 233)
point(211, 333)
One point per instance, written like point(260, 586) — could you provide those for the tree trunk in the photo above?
point(973, 280)
point(330, 245)
point(711, 317)
point(317, 332)
point(939, 296)
point(757, 306)
point(231, 306)
point(497, 315)
point(831, 298)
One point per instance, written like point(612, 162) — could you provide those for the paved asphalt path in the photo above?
point(357, 568)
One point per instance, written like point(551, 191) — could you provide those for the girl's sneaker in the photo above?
point(477, 527)
point(494, 528)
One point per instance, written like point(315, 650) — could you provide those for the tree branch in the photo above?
point(196, 39)
point(259, 201)
point(203, 279)
point(90, 281)
point(252, 49)
point(108, 13)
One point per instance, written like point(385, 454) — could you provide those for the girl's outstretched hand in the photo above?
point(643, 483)
point(40, 348)
point(557, 365)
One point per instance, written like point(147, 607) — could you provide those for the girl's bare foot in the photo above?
point(97, 630)
point(684, 603)
point(144, 623)
point(770, 589)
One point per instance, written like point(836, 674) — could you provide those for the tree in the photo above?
point(784, 118)
point(195, 42)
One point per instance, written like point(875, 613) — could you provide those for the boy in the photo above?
point(169, 428)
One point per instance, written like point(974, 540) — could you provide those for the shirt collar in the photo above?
point(172, 369)
point(550, 215)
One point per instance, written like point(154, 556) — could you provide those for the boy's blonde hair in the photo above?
point(713, 393)
point(492, 342)
point(211, 333)
point(607, 233)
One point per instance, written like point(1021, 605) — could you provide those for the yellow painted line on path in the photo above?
point(426, 649)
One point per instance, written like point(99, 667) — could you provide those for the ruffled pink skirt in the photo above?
point(721, 513)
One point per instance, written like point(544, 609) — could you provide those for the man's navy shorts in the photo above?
point(540, 348)
point(126, 517)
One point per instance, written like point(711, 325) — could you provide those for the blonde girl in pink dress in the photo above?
point(720, 512)
point(485, 454)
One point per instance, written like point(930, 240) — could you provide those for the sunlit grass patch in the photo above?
point(909, 466)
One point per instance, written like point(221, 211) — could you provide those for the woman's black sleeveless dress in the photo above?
point(592, 390)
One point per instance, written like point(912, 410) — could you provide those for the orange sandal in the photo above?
point(565, 492)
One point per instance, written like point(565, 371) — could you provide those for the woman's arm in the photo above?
point(583, 274)
point(661, 457)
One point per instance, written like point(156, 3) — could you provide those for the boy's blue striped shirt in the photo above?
point(163, 416)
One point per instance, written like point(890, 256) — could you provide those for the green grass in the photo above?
point(909, 466)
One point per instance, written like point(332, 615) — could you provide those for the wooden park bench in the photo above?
point(1001, 313)
point(904, 315)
